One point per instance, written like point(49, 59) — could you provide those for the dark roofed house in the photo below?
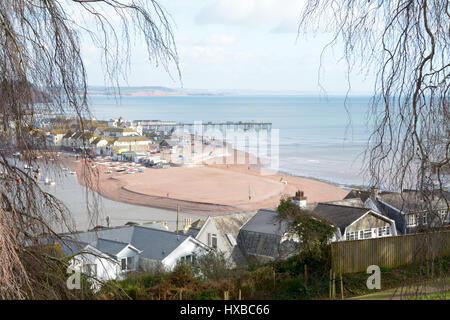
point(265, 237)
point(411, 212)
point(354, 223)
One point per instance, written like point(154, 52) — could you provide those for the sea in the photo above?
point(321, 137)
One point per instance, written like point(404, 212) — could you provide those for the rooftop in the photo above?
point(266, 221)
point(136, 138)
point(340, 215)
point(154, 243)
point(413, 201)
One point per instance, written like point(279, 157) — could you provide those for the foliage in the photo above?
point(212, 266)
point(42, 72)
point(206, 294)
point(313, 232)
point(283, 279)
point(182, 275)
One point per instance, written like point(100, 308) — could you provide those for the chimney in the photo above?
point(187, 223)
point(375, 191)
point(300, 199)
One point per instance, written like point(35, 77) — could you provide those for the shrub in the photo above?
point(212, 266)
point(207, 294)
point(181, 275)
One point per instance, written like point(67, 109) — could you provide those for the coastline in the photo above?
point(206, 189)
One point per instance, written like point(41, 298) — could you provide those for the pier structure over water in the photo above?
point(168, 126)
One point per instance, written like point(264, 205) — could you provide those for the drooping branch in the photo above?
point(407, 44)
point(42, 71)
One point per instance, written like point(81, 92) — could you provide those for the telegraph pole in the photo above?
point(178, 213)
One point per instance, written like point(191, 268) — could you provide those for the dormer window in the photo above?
point(127, 263)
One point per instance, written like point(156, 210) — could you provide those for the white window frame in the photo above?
point(190, 258)
point(367, 232)
point(90, 269)
point(129, 264)
point(212, 237)
point(442, 214)
point(413, 217)
point(352, 235)
point(384, 231)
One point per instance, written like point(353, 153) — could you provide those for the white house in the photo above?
point(220, 232)
point(55, 137)
point(111, 261)
point(111, 253)
point(99, 145)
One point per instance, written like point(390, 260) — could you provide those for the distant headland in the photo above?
point(153, 91)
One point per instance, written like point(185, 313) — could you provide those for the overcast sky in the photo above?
point(240, 45)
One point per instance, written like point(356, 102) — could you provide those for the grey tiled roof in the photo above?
point(262, 234)
point(155, 244)
point(412, 201)
point(341, 216)
point(70, 247)
point(110, 247)
point(231, 224)
point(266, 221)
point(192, 232)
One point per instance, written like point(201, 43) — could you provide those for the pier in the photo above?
point(168, 126)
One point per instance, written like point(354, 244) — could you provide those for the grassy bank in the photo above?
point(285, 280)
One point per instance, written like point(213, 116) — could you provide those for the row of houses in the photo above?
point(101, 141)
point(244, 237)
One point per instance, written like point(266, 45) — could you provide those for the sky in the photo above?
point(239, 45)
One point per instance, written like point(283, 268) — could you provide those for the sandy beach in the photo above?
point(206, 189)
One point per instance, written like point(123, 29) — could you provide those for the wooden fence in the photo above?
point(389, 252)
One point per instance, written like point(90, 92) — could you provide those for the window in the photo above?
point(367, 234)
point(231, 239)
point(90, 269)
point(411, 220)
point(443, 215)
point(130, 263)
point(384, 231)
point(189, 258)
point(352, 235)
point(212, 240)
point(424, 218)
point(127, 263)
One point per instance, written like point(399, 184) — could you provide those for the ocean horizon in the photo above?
point(320, 137)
